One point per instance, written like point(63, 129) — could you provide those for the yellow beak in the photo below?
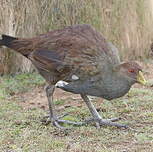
point(140, 78)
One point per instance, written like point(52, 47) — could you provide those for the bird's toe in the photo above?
point(104, 122)
point(46, 119)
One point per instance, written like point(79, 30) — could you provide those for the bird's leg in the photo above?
point(97, 118)
point(52, 117)
point(49, 93)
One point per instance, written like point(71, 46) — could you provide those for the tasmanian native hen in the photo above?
point(85, 62)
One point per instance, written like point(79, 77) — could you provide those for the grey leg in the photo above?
point(97, 118)
point(52, 116)
point(92, 109)
point(49, 93)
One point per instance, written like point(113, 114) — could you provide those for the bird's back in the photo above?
point(77, 49)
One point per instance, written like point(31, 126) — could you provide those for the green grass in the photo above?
point(10, 85)
point(22, 131)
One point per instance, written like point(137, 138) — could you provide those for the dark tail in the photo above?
point(7, 40)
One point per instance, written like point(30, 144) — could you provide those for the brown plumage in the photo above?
point(69, 49)
point(83, 58)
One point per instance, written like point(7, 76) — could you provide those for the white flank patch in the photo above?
point(61, 84)
point(74, 77)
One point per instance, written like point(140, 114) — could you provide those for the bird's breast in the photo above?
point(99, 88)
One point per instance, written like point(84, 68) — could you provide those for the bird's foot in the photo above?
point(99, 122)
point(71, 122)
point(111, 123)
point(47, 120)
point(58, 121)
point(106, 122)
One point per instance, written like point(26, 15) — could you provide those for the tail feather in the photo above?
point(7, 40)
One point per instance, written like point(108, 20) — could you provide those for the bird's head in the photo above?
point(131, 71)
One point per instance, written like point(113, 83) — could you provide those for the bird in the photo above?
point(78, 59)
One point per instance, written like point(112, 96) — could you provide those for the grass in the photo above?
point(20, 83)
point(22, 131)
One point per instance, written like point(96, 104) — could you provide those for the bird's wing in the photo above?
point(81, 65)
point(78, 50)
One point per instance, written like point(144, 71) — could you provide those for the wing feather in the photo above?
point(77, 50)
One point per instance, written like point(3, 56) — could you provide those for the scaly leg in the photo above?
point(49, 93)
point(52, 117)
point(97, 118)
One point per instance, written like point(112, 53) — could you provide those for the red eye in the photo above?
point(131, 70)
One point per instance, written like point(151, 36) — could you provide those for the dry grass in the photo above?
point(128, 23)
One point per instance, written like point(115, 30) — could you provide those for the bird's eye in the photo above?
point(131, 70)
